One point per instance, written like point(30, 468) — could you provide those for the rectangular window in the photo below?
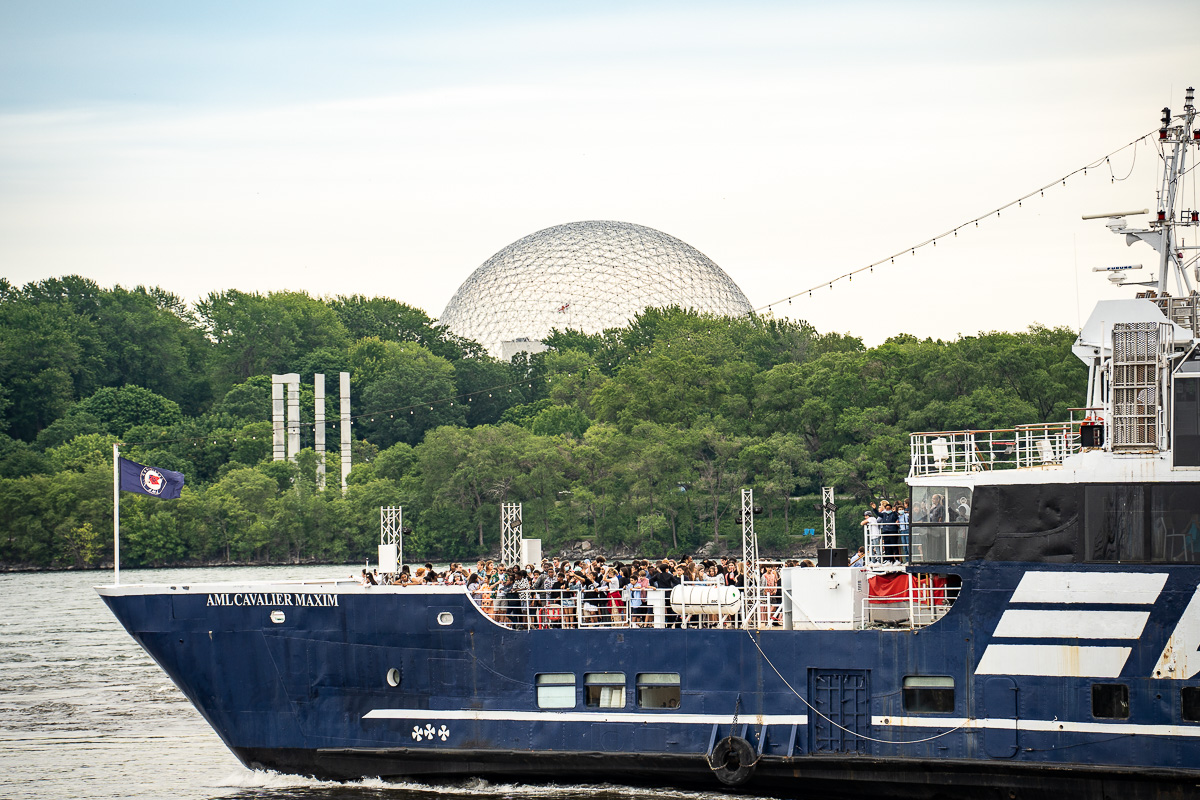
point(939, 517)
point(658, 690)
point(1187, 422)
point(556, 690)
point(1116, 517)
point(1110, 701)
point(1175, 523)
point(1190, 702)
point(604, 689)
point(929, 694)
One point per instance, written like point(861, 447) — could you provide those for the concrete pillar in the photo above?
point(319, 427)
point(345, 392)
point(279, 440)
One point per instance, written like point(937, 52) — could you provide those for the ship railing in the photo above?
point(883, 549)
point(926, 600)
point(543, 609)
point(539, 609)
point(1044, 444)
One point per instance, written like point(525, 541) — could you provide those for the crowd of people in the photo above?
point(589, 591)
point(559, 592)
point(887, 532)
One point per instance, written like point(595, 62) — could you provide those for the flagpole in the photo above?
point(116, 516)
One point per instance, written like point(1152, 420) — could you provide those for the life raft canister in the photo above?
point(732, 761)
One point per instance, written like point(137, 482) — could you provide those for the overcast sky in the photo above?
point(390, 148)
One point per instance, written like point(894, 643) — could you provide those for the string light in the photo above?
point(1019, 202)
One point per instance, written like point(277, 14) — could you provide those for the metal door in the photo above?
point(842, 706)
point(1000, 711)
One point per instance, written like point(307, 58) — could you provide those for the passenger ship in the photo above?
point(1040, 639)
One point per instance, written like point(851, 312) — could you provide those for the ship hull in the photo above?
point(776, 777)
point(349, 682)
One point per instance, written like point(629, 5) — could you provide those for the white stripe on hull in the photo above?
point(899, 723)
point(1073, 588)
point(1053, 660)
point(581, 716)
point(1039, 726)
point(1028, 624)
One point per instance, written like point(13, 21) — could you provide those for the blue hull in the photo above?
point(310, 693)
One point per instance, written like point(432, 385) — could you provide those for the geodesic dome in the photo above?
point(585, 276)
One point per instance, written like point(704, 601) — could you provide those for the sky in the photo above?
point(390, 148)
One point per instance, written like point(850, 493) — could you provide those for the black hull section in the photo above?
point(850, 777)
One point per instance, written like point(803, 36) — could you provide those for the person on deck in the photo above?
point(889, 531)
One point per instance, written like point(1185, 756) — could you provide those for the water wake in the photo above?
point(300, 786)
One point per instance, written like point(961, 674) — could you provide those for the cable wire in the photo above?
point(912, 249)
point(814, 710)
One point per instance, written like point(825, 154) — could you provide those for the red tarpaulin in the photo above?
point(889, 588)
point(894, 588)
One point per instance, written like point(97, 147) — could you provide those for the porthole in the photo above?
point(445, 618)
point(393, 677)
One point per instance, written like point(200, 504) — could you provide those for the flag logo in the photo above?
point(152, 481)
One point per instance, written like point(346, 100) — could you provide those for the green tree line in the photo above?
point(637, 438)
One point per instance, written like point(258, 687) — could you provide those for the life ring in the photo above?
point(732, 761)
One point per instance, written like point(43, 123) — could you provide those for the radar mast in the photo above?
point(1175, 257)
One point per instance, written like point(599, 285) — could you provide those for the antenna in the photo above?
point(1162, 231)
point(1117, 274)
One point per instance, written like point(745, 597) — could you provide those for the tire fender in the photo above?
point(732, 761)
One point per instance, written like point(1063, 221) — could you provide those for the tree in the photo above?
point(718, 473)
point(487, 388)
point(161, 347)
point(392, 321)
point(407, 390)
point(82, 542)
point(82, 452)
point(241, 506)
point(560, 421)
point(41, 360)
point(18, 459)
point(253, 334)
point(120, 409)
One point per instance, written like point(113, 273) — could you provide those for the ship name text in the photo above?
point(272, 599)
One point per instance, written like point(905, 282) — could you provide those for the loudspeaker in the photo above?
point(832, 557)
point(1091, 435)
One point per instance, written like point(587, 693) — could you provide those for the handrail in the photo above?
point(542, 609)
point(922, 605)
point(1039, 445)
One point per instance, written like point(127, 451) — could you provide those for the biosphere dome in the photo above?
point(585, 276)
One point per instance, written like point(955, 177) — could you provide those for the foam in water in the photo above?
point(470, 787)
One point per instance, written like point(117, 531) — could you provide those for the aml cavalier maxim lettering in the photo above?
point(272, 599)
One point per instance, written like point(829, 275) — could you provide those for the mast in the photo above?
point(1178, 137)
point(1175, 136)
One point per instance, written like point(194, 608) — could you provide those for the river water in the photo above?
point(85, 713)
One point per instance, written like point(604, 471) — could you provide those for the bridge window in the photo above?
point(1190, 703)
point(1187, 421)
point(604, 689)
point(658, 690)
point(929, 694)
point(1110, 701)
point(556, 690)
point(940, 515)
point(1116, 523)
point(1143, 523)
